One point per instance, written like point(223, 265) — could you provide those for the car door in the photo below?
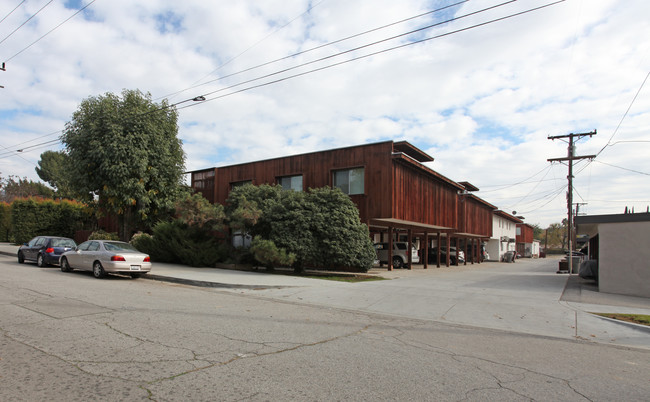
point(32, 248)
point(76, 259)
point(90, 255)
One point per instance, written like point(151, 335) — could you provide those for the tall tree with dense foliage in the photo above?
point(54, 169)
point(125, 151)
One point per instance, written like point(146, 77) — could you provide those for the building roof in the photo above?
point(588, 224)
point(468, 186)
point(413, 152)
point(506, 215)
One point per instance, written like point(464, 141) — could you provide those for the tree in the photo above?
point(54, 168)
point(125, 151)
point(538, 232)
point(557, 234)
point(13, 187)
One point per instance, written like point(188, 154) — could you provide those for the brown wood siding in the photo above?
point(527, 234)
point(475, 217)
point(317, 169)
point(418, 197)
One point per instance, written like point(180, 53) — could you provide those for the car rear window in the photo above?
point(119, 246)
point(63, 243)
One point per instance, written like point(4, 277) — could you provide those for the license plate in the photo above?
point(135, 267)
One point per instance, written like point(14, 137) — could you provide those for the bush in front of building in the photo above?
point(103, 235)
point(321, 227)
point(189, 238)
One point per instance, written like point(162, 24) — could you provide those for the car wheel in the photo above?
point(40, 261)
point(397, 263)
point(65, 265)
point(98, 270)
point(21, 258)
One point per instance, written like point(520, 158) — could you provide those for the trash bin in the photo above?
point(509, 256)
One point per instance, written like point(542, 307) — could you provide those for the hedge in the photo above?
point(32, 217)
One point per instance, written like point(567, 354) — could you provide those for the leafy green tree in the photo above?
point(538, 232)
point(14, 187)
point(557, 235)
point(54, 168)
point(195, 210)
point(125, 150)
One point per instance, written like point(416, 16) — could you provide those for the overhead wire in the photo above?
point(12, 11)
point(242, 53)
point(354, 58)
point(323, 45)
point(26, 21)
point(51, 30)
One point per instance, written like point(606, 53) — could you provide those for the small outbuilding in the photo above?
point(619, 246)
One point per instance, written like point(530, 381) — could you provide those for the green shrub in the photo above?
point(34, 217)
point(103, 235)
point(268, 254)
point(320, 227)
point(177, 242)
point(5, 222)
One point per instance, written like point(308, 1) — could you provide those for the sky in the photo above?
point(478, 85)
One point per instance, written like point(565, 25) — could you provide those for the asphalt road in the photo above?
point(73, 337)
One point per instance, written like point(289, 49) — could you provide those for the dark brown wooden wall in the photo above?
point(317, 169)
point(395, 186)
point(527, 234)
point(419, 197)
point(475, 217)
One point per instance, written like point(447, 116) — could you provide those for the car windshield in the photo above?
point(118, 246)
point(63, 243)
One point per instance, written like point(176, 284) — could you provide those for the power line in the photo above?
point(326, 44)
point(357, 58)
point(242, 53)
point(26, 21)
point(619, 167)
point(12, 11)
point(51, 30)
point(625, 114)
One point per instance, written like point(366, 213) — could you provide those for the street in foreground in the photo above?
point(69, 336)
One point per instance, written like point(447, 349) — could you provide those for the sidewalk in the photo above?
point(526, 297)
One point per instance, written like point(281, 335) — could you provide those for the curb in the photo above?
point(207, 284)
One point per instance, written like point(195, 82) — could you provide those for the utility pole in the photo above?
point(572, 138)
point(2, 69)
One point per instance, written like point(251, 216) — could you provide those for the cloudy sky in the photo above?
point(475, 85)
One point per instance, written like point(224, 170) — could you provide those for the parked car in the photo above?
point(432, 255)
point(45, 250)
point(400, 258)
point(106, 256)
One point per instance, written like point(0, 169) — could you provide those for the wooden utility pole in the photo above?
point(572, 138)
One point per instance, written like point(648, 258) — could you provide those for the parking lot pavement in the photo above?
point(527, 296)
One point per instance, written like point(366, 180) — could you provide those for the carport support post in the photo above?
point(390, 248)
point(438, 248)
point(409, 252)
point(425, 254)
point(467, 244)
point(448, 249)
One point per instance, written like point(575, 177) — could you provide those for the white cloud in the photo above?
point(482, 101)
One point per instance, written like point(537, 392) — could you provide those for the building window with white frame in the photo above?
point(291, 182)
point(350, 181)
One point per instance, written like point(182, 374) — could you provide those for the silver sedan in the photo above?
point(106, 256)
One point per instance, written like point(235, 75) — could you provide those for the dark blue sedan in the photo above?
point(45, 250)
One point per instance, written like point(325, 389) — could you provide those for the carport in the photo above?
point(392, 226)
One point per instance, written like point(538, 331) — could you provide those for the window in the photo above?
point(291, 182)
point(350, 181)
